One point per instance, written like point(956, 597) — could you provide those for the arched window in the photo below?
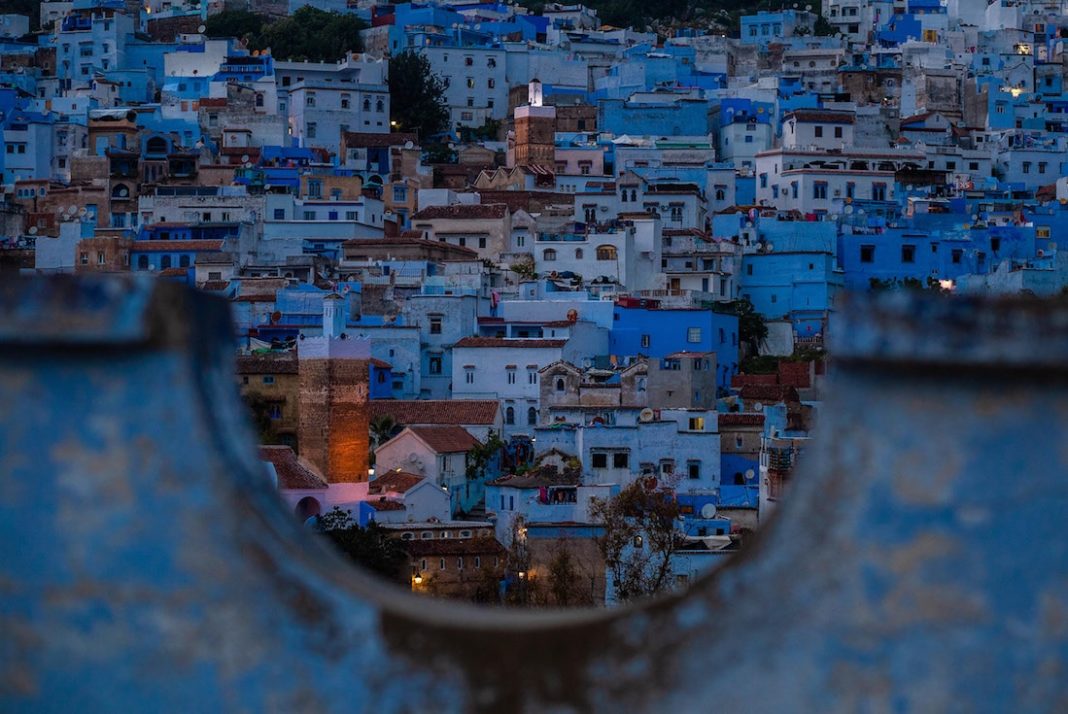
point(578, 253)
point(120, 190)
point(633, 195)
point(367, 105)
point(721, 195)
point(307, 507)
point(183, 261)
point(165, 262)
point(532, 416)
point(509, 415)
point(606, 252)
point(259, 99)
point(559, 384)
point(641, 384)
point(380, 106)
point(549, 254)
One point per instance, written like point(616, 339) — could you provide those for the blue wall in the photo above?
point(668, 330)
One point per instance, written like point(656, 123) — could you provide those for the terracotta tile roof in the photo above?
point(280, 363)
point(386, 243)
point(292, 473)
point(739, 419)
point(508, 342)
point(453, 546)
point(462, 212)
point(537, 478)
point(384, 504)
point(368, 139)
point(215, 285)
point(457, 412)
point(394, 482)
point(445, 439)
point(174, 246)
point(769, 393)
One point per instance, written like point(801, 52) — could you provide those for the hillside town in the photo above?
point(543, 303)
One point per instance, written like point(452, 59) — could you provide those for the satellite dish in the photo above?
point(72, 209)
point(758, 407)
point(409, 144)
point(245, 158)
point(646, 415)
point(275, 317)
point(202, 28)
point(749, 474)
point(33, 230)
point(771, 247)
point(708, 511)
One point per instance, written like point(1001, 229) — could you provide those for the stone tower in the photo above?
point(535, 131)
point(334, 410)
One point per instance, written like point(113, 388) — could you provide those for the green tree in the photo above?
point(416, 96)
point(639, 539)
point(311, 34)
point(259, 408)
point(370, 547)
point(235, 23)
point(752, 329)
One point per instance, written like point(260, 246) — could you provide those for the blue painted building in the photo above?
point(658, 332)
point(684, 117)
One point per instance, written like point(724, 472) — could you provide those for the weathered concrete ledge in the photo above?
point(921, 562)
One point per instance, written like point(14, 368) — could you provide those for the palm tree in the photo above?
point(382, 429)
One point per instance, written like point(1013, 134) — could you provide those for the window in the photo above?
point(509, 415)
point(957, 255)
point(693, 469)
point(606, 252)
point(559, 384)
point(511, 376)
point(345, 101)
point(469, 375)
point(310, 130)
point(819, 131)
point(697, 423)
point(441, 564)
point(532, 376)
point(867, 254)
point(578, 253)
point(435, 364)
point(599, 460)
point(620, 460)
point(819, 190)
point(908, 254)
point(268, 379)
point(995, 244)
point(532, 416)
point(315, 188)
point(851, 189)
point(309, 99)
point(878, 192)
point(838, 132)
point(84, 259)
point(100, 257)
point(549, 255)
point(478, 561)
point(646, 340)
point(400, 193)
point(435, 324)
point(693, 335)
